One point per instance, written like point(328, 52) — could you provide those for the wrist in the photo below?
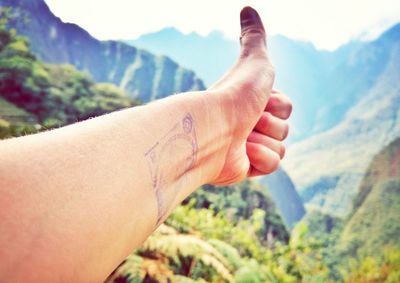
point(215, 124)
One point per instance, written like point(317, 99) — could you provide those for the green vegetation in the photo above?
point(199, 245)
point(326, 231)
point(365, 247)
point(239, 203)
point(382, 268)
point(15, 121)
point(374, 223)
point(44, 94)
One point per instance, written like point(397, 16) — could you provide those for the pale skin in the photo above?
point(75, 201)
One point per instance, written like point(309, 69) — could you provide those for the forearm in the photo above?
point(112, 179)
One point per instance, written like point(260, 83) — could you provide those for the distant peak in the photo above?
point(173, 31)
point(169, 30)
point(216, 34)
point(394, 32)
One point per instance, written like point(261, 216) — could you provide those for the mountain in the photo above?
point(327, 168)
point(323, 85)
point(143, 75)
point(37, 96)
point(298, 64)
point(374, 223)
point(193, 50)
point(285, 196)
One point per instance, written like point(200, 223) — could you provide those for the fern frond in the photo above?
point(218, 266)
point(184, 279)
point(228, 252)
point(130, 270)
point(174, 246)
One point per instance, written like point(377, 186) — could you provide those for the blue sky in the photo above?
point(327, 24)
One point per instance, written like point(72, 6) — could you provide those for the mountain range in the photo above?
point(323, 85)
point(141, 74)
point(328, 167)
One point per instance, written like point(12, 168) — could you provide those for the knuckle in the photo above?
point(263, 122)
point(289, 106)
point(266, 119)
point(282, 150)
point(285, 132)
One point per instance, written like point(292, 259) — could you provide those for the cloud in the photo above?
point(327, 24)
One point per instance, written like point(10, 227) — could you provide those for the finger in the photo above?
point(252, 30)
point(272, 126)
point(262, 159)
point(279, 105)
point(271, 143)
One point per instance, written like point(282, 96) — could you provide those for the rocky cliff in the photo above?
point(143, 75)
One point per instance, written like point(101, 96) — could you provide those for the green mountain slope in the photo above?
point(141, 74)
point(33, 92)
point(374, 223)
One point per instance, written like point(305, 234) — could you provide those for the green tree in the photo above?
point(55, 94)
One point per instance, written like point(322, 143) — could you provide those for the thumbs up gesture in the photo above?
point(256, 111)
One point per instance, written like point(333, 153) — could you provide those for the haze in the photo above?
point(327, 24)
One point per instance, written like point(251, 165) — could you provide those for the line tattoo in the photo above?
point(179, 143)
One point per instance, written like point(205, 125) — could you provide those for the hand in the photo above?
point(257, 113)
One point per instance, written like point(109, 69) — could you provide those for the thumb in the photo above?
point(253, 36)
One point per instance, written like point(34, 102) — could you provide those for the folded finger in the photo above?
point(269, 142)
point(272, 126)
point(279, 105)
point(262, 159)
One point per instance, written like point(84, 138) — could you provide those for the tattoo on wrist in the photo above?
point(169, 160)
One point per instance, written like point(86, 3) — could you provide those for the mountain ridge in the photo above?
point(328, 179)
point(317, 81)
point(143, 75)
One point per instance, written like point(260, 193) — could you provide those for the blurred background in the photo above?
point(330, 214)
